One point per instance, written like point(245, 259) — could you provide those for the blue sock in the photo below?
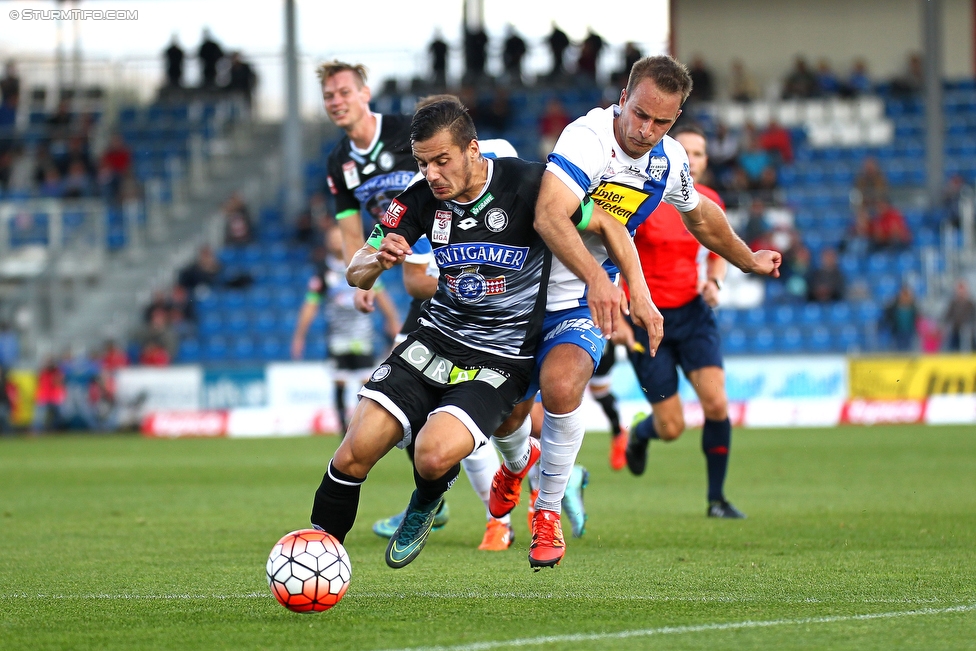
point(645, 429)
point(716, 441)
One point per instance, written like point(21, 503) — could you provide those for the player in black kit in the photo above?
point(451, 384)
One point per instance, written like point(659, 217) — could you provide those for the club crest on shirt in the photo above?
point(657, 167)
point(381, 373)
point(385, 161)
point(441, 231)
point(496, 220)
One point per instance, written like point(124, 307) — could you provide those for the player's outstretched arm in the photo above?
point(622, 251)
point(708, 223)
point(305, 317)
point(369, 262)
point(553, 212)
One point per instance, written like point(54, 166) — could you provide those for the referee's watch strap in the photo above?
point(717, 281)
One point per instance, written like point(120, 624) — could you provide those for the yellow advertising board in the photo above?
point(912, 377)
point(26, 383)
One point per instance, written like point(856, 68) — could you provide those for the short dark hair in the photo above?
point(439, 112)
point(334, 67)
point(667, 73)
point(689, 128)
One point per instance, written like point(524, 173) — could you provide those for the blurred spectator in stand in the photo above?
point(752, 158)
point(497, 114)
point(52, 186)
point(76, 152)
point(912, 81)
point(951, 196)
point(766, 187)
point(723, 150)
point(552, 122)
point(202, 274)
point(155, 337)
point(113, 357)
point(558, 44)
point(77, 184)
point(800, 83)
point(115, 165)
point(959, 320)
point(900, 319)
point(314, 220)
point(158, 300)
point(102, 407)
point(871, 182)
point(8, 400)
point(49, 398)
point(21, 178)
point(238, 230)
point(512, 54)
point(778, 140)
point(589, 55)
point(857, 240)
point(174, 56)
point(10, 85)
point(858, 83)
point(61, 119)
point(243, 79)
point(737, 188)
point(631, 55)
point(475, 55)
point(210, 54)
point(702, 81)
point(828, 85)
point(755, 226)
point(181, 311)
point(889, 230)
point(438, 60)
point(742, 85)
point(795, 274)
point(826, 283)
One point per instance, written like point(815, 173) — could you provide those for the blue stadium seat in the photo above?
point(775, 291)
point(232, 299)
point(259, 299)
point(839, 313)
point(274, 349)
point(790, 340)
point(726, 318)
point(764, 341)
point(734, 343)
point(215, 349)
point(265, 322)
point(784, 315)
point(243, 349)
point(189, 352)
point(849, 338)
point(811, 314)
point(211, 323)
point(753, 317)
point(820, 340)
point(287, 298)
point(237, 321)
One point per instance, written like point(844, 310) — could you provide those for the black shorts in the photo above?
point(353, 362)
point(691, 341)
point(430, 372)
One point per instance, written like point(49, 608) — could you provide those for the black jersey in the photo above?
point(367, 181)
point(493, 264)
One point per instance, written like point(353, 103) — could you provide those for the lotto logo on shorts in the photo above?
point(394, 214)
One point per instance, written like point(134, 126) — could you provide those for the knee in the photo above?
point(715, 407)
point(562, 394)
point(669, 429)
point(431, 464)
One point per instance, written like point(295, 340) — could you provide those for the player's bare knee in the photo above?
point(432, 465)
point(715, 408)
point(562, 395)
point(670, 429)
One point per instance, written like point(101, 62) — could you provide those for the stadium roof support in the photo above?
point(291, 134)
point(932, 39)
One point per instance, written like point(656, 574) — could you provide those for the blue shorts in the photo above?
point(691, 341)
point(573, 326)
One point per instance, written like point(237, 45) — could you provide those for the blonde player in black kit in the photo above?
point(451, 384)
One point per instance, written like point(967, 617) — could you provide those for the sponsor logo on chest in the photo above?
point(487, 199)
point(394, 214)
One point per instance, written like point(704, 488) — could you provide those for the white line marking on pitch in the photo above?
point(700, 628)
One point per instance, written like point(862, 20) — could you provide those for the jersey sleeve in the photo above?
point(680, 190)
point(346, 203)
point(579, 158)
point(404, 217)
point(423, 253)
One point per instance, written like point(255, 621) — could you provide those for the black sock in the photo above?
point(336, 503)
point(645, 429)
point(431, 490)
point(609, 404)
point(340, 402)
point(716, 442)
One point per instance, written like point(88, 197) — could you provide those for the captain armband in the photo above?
point(581, 218)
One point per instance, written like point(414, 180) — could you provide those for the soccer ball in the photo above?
point(308, 571)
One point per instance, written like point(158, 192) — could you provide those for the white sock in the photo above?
point(534, 476)
point(562, 438)
point(515, 447)
point(480, 467)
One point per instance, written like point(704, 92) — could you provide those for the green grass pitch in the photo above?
point(857, 538)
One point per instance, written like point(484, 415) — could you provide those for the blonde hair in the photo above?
point(334, 67)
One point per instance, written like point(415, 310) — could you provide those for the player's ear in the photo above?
point(474, 149)
point(623, 96)
point(367, 92)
